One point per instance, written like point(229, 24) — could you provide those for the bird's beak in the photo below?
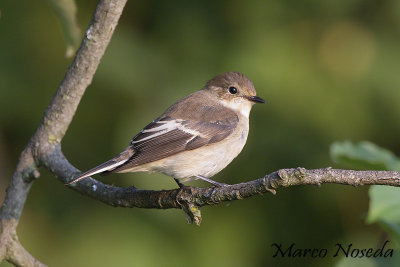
point(255, 99)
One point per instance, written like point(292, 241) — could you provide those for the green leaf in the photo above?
point(393, 229)
point(384, 208)
point(365, 155)
point(384, 204)
point(384, 200)
point(66, 12)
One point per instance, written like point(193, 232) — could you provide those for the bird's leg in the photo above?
point(216, 184)
point(211, 181)
point(181, 186)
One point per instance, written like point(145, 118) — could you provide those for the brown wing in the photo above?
point(166, 137)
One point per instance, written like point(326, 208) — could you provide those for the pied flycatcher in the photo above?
point(195, 138)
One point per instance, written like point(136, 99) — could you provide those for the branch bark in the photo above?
point(190, 199)
point(44, 148)
point(53, 126)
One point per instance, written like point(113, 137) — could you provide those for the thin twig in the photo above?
point(53, 126)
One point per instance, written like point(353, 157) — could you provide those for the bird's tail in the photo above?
point(107, 166)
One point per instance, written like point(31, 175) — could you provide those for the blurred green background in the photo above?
point(329, 71)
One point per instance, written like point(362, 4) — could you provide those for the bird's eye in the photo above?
point(232, 90)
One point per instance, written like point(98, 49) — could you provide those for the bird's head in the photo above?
point(234, 90)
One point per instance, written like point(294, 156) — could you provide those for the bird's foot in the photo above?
point(180, 191)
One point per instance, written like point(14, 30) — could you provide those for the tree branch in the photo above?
point(53, 126)
point(190, 199)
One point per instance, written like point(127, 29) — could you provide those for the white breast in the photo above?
point(205, 161)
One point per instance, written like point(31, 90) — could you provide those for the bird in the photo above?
point(195, 138)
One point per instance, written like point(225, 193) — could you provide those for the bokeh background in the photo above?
point(329, 71)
